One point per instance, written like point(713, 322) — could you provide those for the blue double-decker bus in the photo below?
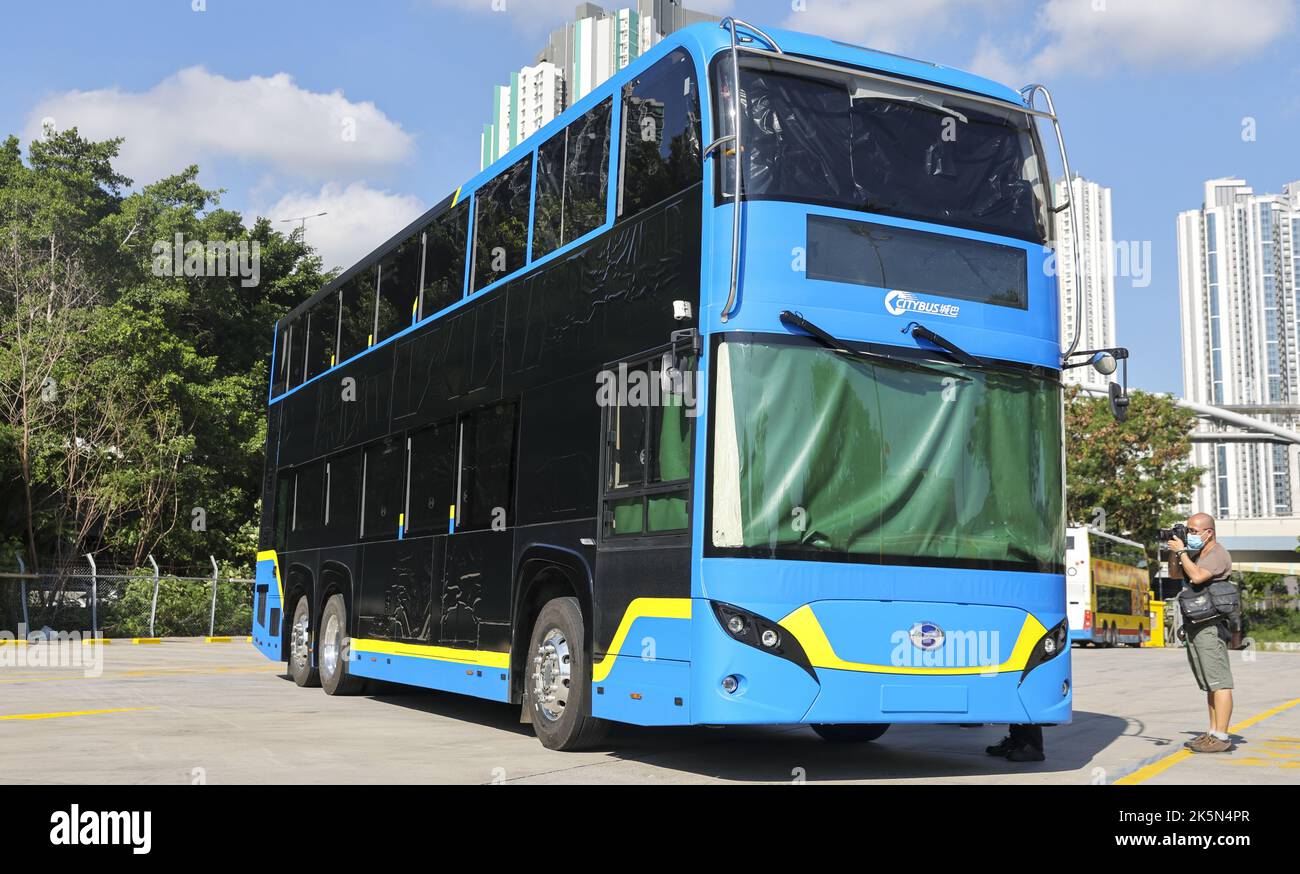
point(732, 396)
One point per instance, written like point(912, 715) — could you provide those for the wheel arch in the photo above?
point(544, 572)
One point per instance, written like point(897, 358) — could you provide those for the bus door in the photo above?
point(641, 602)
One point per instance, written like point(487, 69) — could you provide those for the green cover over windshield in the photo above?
point(818, 455)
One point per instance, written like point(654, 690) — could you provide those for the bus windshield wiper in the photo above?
point(953, 351)
point(833, 343)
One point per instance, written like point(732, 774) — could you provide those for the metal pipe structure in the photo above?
point(22, 585)
point(731, 24)
point(1227, 416)
point(153, 609)
point(94, 596)
point(212, 618)
point(1029, 92)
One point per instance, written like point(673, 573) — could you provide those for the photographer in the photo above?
point(1205, 623)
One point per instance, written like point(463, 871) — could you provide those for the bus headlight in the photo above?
point(760, 633)
point(1049, 646)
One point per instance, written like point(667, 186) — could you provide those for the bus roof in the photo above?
point(705, 41)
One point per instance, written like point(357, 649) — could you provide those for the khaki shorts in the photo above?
point(1208, 654)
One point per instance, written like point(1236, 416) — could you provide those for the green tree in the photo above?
point(159, 380)
point(1133, 474)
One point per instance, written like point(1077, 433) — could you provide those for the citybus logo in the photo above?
point(926, 635)
point(899, 302)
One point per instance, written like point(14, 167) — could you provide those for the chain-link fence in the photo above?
point(115, 602)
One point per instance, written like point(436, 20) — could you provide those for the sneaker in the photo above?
point(1200, 737)
point(1026, 753)
point(1002, 747)
point(1210, 744)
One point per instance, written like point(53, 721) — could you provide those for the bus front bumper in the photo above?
point(735, 683)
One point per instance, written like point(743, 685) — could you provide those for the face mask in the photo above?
point(1194, 541)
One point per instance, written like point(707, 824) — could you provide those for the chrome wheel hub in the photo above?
point(552, 670)
point(298, 643)
point(329, 646)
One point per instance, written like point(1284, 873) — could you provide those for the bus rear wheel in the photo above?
point(558, 684)
point(334, 650)
point(304, 673)
point(850, 733)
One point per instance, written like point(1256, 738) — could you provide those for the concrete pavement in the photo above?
point(189, 711)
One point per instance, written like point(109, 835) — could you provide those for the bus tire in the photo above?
point(557, 684)
point(849, 733)
point(304, 673)
point(334, 649)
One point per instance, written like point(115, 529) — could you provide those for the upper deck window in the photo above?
point(322, 323)
point(572, 180)
point(399, 288)
point(830, 137)
point(357, 326)
point(444, 260)
point(661, 134)
point(501, 223)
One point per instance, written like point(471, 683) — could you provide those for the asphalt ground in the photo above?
point(189, 711)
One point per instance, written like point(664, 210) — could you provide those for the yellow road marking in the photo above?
point(157, 672)
point(1146, 772)
point(73, 713)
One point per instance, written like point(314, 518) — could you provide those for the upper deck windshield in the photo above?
point(833, 137)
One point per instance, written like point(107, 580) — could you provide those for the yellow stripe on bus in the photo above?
point(648, 608)
point(481, 658)
point(803, 624)
point(269, 555)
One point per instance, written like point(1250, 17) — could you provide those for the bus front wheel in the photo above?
point(300, 666)
point(849, 732)
point(558, 683)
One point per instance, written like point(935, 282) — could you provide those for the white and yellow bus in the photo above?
point(1107, 588)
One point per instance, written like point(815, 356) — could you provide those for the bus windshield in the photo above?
point(818, 135)
point(821, 456)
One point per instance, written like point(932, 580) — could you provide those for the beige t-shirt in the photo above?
point(1217, 561)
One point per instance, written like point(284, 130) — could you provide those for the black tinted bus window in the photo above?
point(586, 173)
point(399, 288)
point(357, 328)
point(487, 466)
point(548, 221)
point(431, 462)
point(661, 134)
point(297, 350)
point(501, 224)
point(342, 496)
point(322, 335)
point(309, 505)
point(382, 490)
point(283, 508)
point(572, 180)
point(281, 372)
point(444, 260)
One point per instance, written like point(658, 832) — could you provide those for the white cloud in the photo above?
point(1095, 35)
point(358, 218)
point(197, 116)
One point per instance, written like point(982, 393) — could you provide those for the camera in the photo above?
point(1179, 531)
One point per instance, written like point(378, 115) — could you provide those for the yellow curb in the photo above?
point(91, 641)
point(15, 642)
point(217, 639)
point(1146, 772)
point(146, 640)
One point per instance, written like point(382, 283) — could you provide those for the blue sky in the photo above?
point(1154, 96)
